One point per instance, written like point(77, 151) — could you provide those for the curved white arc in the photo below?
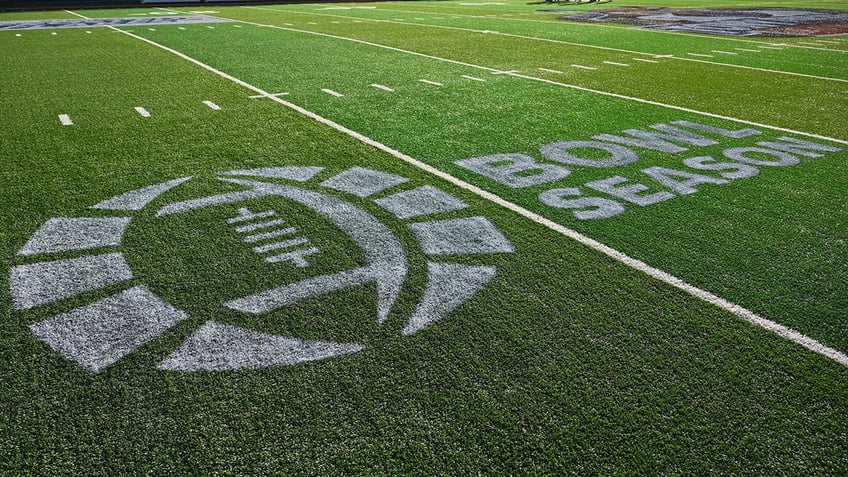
point(386, 259)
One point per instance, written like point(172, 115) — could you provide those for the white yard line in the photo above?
point(658, 274)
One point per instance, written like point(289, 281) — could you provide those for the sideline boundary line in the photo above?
point(748, 315)
point(570, 43)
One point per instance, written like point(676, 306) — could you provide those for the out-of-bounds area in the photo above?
point(454, 237)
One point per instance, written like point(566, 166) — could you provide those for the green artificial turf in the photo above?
point(769, 243)
point(568, 362)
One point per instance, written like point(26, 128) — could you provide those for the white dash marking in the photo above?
point(357, 21)
point(384, 88)
point(700, 55)
point(211, 27)
point(236, 26)
point(180, 28)
point(584, 67)
point(551, 71)
point(332, 93)
point(748, 50)
point(212, 105)
point(152, 29)
point(807, 43)
point(615, 64)
point(510, 72)
point(474, 78)
point(311, 23)
point(288, 24)
point(430, 82)
point(54, 33)
point(771, 47)
point(645, 60)
point(143, 112)
point(18, 34)
point(335, 23)
point(255, 96)
point(724, 52)
point(65, 120)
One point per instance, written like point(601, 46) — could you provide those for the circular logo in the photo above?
point(99, 333)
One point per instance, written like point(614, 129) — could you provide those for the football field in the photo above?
point(455, 237)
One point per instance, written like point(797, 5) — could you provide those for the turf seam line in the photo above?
point(733, 308)
point(550, 40)
point(542, 80)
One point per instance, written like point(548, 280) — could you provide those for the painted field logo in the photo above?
point(97, 334)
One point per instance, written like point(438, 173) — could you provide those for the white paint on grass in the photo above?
point(463, 236)
point(294, 173)
point(219, 347)
point(139, 198)
point(653, 272)
point(384, 88)
point(591, 68)
point(551, 71)
point(700, 55)
point(722, 52)
point(474, 78)
point(101, 333)
point(141, 111)
point(256, 96)
point(645, 60)
point(615, 63)
point(45, 282)
point(65, 120)
point(448, 286)
point(748, 50)
point(424, 200)
point(332, 93)
point(62, 234)
point(363, 182)
point(212, 105)
point(434, 83)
